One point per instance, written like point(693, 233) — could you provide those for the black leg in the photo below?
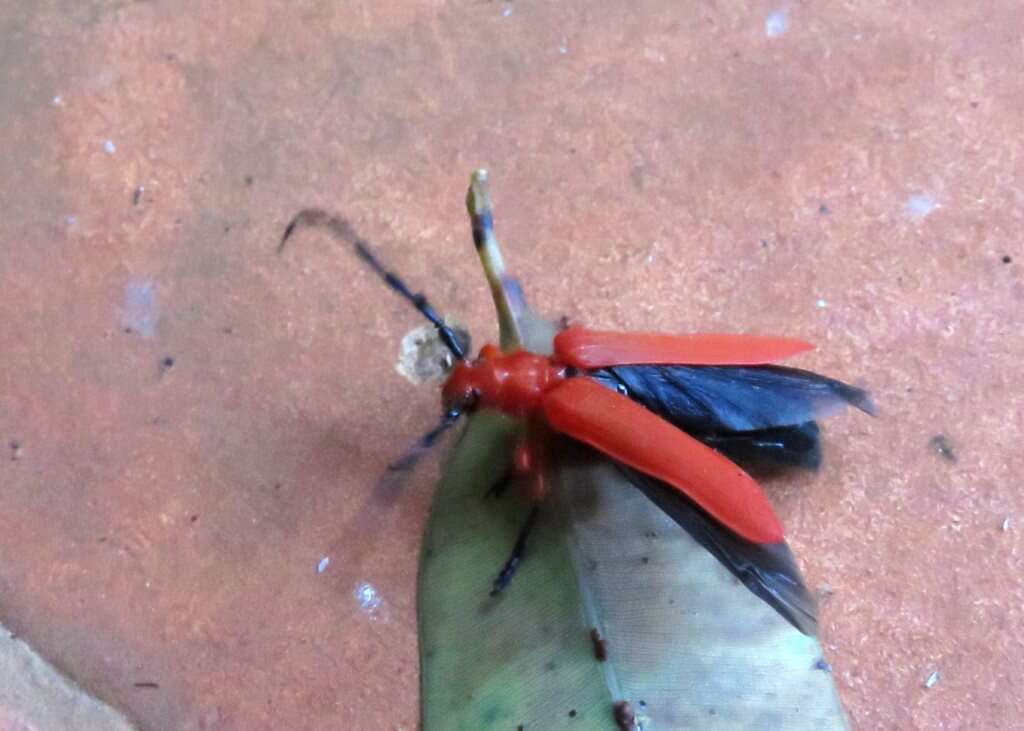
point(421, 445)
point(518, 551)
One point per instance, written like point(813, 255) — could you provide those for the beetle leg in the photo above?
point(518, 551)
point(530, 460)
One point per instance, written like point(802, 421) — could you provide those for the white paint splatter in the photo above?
point(822, 304)
point(140, 310)
point(776, 23)
point(1006, 524)
point(932, 679)
point(920, 206)
point(109, 147)
point(368, 598)
point(323, 564)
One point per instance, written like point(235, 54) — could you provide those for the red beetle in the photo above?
point(674, 411)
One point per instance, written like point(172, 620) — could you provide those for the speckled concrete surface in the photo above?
point(34, 696)
point(194, 422)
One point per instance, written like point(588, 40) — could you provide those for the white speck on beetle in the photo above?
point(323, 564)
point(109, 147)
point(368, 598)
point(776, 23)
point(932, 679)
point(920, 206)
point(821, 304)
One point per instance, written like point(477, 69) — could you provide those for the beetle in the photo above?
point(676, 413)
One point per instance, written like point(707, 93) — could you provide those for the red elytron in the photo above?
point(536, 387)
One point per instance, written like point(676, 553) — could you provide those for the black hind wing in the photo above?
point(765, 449)
point(768, 570)
point(756, 415)
point(733, 398)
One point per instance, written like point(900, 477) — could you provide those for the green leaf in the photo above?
point(687, 644)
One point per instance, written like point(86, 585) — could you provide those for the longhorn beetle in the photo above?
point(675, 412)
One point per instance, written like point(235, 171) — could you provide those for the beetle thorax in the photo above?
point(512, 382)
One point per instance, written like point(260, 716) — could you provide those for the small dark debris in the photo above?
point(572, 150)
point(147, 684)
point(167, 363)
point(520, 727)
point(277, 485)
point(128, 330)
point(193, 518)
point(248, 180)
point(550, 666)
point(227, 227)
point(1007, 259)
point(645, 560)
point(764, 243)
point(591, 565)
point(650, 534)
point(16, 450)
point(823, 209)
point(572, 713)
point(942, 447)
point(600, 645)
point(625, 717)
point(974, 105)
point(101, 539)
point(822, 664)
point(137, 196)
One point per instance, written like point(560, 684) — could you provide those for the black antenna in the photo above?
point(343, 231)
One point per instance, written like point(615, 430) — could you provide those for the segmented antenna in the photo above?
point(343, 231)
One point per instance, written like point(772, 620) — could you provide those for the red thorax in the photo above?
point(510, 382)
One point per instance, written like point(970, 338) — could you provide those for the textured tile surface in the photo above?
point(194, 422)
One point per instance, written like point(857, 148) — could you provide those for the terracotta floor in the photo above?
point(194, 422)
